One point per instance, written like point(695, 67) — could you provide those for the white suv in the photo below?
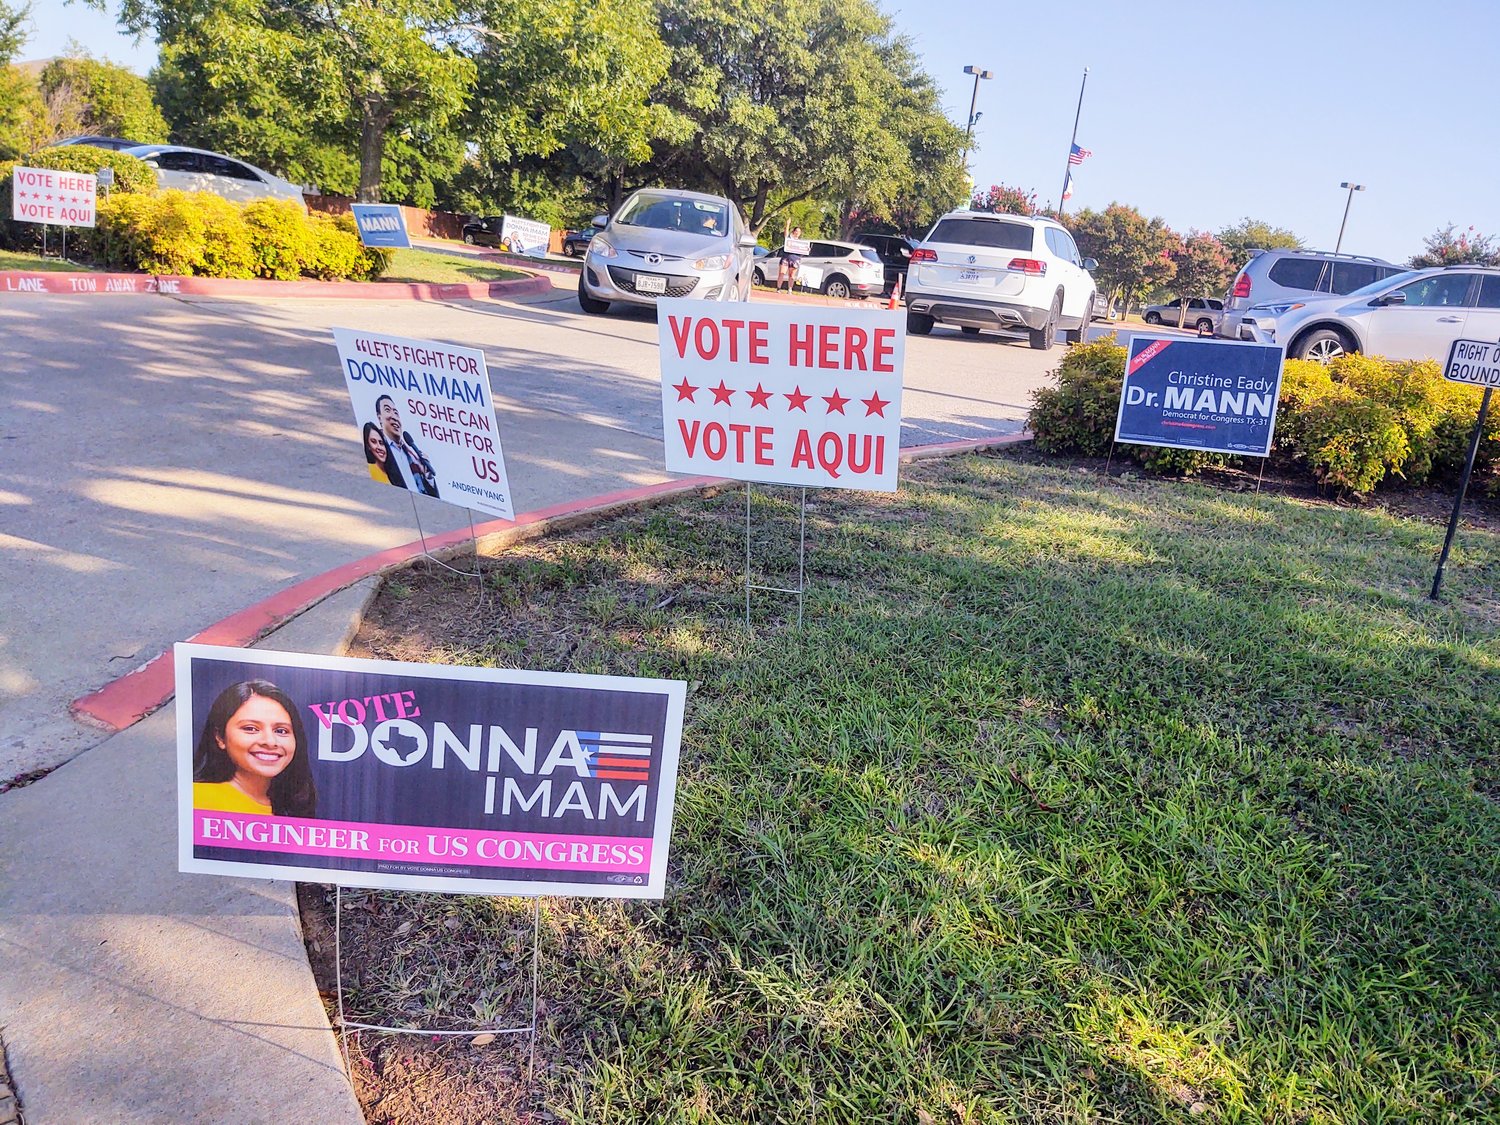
point(980, 270)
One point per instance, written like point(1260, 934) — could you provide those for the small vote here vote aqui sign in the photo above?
point(45, 195)
point(781, 394)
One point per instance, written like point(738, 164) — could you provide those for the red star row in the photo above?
point(60, 198)
point(795, 401)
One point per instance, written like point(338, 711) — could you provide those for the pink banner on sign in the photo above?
point(540, 851)
point(1148, 353)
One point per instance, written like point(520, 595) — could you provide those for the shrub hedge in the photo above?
point(1352, 424)
point(205, 235)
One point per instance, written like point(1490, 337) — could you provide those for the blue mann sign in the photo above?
point(381, 224)
point(1213, 395)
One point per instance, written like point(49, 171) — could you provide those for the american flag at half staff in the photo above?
point(1078, 155)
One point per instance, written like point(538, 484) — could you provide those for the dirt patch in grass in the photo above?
point(1079, 796)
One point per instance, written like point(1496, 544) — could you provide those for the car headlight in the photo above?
point(601, 249)
point(713, 262)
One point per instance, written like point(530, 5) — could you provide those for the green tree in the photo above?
point(103, 97)
point(1445, 248)
point(1134, 252)
point(788, 100)
point(21, 111)
point(294, 85)
point(1254, 234)
point(901, 166)
point(561, 106)
point(1201, 268)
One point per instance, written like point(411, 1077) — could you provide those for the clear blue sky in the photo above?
point(1201, 114)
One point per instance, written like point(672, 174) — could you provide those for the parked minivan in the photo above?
point(1272, 275)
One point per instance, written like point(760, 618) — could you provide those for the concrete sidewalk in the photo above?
point(133, 993)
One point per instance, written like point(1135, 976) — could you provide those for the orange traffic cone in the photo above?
point(896, 295)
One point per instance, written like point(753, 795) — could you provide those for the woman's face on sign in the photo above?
point(377, 447)
point(258, 738)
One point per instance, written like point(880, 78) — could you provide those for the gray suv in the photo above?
point(1274, 275)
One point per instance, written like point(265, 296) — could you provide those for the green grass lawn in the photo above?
point(1075, 800)
point(32, 263)
point(437, 268)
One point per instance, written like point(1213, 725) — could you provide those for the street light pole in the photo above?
point(973, 101)
point(1352, 189)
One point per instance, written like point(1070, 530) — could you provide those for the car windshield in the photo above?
point(995, 234)
point(695, 216)
point(1384, 283)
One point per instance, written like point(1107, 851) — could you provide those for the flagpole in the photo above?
point(1063, 201)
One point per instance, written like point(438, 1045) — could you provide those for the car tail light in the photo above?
point(1242, 286)
point(923, 254)
point(1029, 265)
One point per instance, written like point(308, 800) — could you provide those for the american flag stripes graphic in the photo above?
point(620, 757)
point(1078, 155)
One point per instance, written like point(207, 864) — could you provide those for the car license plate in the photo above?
point(646, 283)
point(968, 275)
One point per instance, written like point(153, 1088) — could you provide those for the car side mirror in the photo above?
point(1396, 298)
point(1091, 263)
point(600, 221)
point(748, 241)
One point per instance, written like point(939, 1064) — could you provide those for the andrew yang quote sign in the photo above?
point(782, 395)
point(375, 773)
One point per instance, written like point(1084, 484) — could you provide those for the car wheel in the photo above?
point(1153, 318)
point(969, 330)
point(588, 303)
point(836, 287)
point(570, 250)
point(1044, 337)
point(468, 240)
point(918, 324)
point(1205, 327)
point(1323, 346)
point(1075, 335)
point(760, 278)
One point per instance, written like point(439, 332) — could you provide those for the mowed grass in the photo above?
point(445, 269)
point(34, 263)
point(1074, 800)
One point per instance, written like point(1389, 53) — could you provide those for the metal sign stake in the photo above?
point(1463, 487)
point(435, 561)
point(801, 588)
point(346, 1024)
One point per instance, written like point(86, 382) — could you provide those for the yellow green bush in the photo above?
point(197, 233)
point(284, 243)
point(1351, 424)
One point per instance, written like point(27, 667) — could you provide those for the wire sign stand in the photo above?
point(800, 589)
point(476, 573)
point(347, 1025)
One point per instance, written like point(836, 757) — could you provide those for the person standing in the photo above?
point(790, 262)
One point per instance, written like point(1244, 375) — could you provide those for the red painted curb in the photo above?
point(18, 281)
point(136, 694)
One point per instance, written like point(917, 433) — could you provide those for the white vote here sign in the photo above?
point(45, 195)
point(781, 394)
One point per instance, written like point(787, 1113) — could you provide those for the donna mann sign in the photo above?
point(424, 777)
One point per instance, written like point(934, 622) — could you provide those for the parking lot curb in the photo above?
point(135, 695)
point(171, 285)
